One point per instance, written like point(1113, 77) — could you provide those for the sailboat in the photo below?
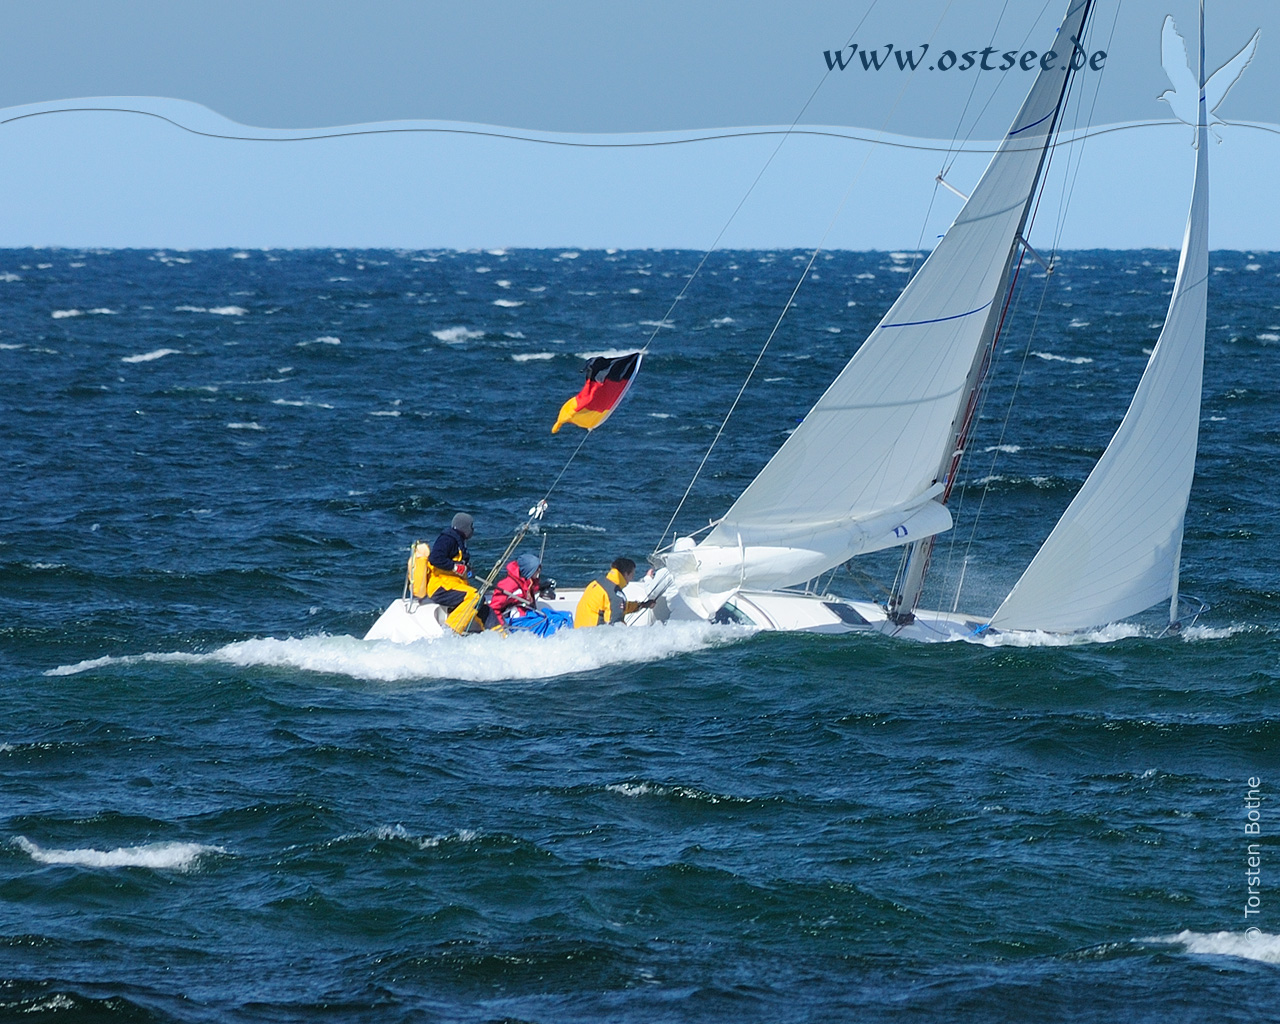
point(874, 462)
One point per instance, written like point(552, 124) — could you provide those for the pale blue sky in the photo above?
point(110, 179)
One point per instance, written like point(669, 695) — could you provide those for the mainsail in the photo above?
point(865, 469)
point(1116, 549)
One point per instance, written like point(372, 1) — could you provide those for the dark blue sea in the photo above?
point(218, 803)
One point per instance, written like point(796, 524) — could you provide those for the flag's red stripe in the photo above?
point(601, 396)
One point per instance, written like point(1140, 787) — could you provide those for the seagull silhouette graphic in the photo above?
point(1184, 97)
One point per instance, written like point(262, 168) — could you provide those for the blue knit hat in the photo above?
point(528, 565)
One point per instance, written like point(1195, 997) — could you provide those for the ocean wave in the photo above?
point(216, 310)
point(158, 856)
point(488, 657)
point(525, 357)
point(328, 339)
point(1251, 944)
point(508, 303)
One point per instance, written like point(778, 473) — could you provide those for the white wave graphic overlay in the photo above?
point(158, 856)
point(1251, 944)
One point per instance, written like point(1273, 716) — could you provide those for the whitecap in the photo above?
point(159, 856)
point(503, 283)
point(10, 276)
point(720, 321)
point(327, 339)
point(218, 310)
point(385, 412)
point(1051, 357)
point(1269, 337)
point(1038, 638)
point(398, 833)
point(508, 303)
point(524, 357)
point(571, 255)
point(454, 335)
point(239, 255)
point(147, 357)
point(1009, 449)
point(1251, 944)
point(245, 426)
point(301, 403)
point(11, 347)
point(62, 314)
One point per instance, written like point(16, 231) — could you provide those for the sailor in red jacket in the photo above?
point(516, 594)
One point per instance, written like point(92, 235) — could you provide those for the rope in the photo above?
point(791, 298)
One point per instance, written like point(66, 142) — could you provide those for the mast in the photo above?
point(1202, 141)
point(915, 561)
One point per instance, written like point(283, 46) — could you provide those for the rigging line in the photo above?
point(1065, 105)
point(949, 159)
point(791, 298)
point(1069, 191)
point(511, 136)
point(996, 449)
point(586, 435)
point(716, 242)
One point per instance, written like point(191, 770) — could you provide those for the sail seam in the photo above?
point(936, 320)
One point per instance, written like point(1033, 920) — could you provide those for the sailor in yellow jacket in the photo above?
point(602, 603)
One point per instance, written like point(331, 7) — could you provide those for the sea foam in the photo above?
point(159, 856)
point(487, 657)
point(1251, 944)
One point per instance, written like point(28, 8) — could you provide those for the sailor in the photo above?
point(603, 602)
point(450, 583)
point(516, 594)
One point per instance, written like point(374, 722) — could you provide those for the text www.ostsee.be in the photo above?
point(983, 60)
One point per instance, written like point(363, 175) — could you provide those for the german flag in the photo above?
point(608, 379)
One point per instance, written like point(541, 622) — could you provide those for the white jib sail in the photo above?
point(1116, 549)
point(872, 446)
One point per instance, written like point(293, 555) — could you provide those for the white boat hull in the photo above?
point(408, 620)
